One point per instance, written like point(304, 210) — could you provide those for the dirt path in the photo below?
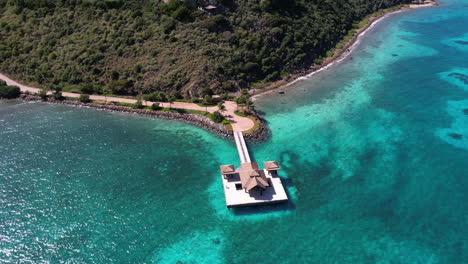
point(239, 123)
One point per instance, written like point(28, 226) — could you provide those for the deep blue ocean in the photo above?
point(374, 153)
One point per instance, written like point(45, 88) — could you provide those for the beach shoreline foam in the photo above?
point(339, 54)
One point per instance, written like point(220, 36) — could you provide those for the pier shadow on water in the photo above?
point(264, 209)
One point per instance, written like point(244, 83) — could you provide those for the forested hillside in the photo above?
point(184, 47)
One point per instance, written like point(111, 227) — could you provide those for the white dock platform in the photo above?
point(239, 197)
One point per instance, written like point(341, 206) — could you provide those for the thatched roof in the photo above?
point(251, 176)
point(256, 182)
point(227, 169)
point(271, 165)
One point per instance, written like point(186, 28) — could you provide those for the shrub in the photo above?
point(221, 107)
point(251, 67)
point(155, 106)
point(224, 96)
point(220, 20)
point(120, 87)
point(42, 94)
point(218, 117)
point(9, 92)
point(208, 100)
point(182, 13)
point(84, 98)
point(241, 100)
point(87, 88)
point(138, 104)
point(156, 97)
point(58, 96)
point(206, 91)
point(272, 77)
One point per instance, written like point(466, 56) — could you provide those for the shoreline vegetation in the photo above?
point(258, 132)
point(254, 126)
point(221, 118)
point(174, 47)
point(342, 48)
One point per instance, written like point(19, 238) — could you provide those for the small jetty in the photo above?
point(248, 184)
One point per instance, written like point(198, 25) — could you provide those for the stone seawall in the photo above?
point(262, 133)
point(193, 119)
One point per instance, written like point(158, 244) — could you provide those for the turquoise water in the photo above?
point(373, 152)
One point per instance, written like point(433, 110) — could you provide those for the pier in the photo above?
point(241, 147)
point(248, 184)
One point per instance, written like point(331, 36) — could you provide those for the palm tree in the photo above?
point(249, 104)
point(221, 107)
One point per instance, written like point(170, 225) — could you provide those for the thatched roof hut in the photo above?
point(271, 166)
point(227, 169)
point(252, 177)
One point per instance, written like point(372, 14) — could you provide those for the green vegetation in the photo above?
point(125, 104)
point(171, 50)
point(155, 106)
point(138, 105)
point(361, 24)
point(57, 92)
point(84, 98)
point(256, 125)
point(240, 114)
point(208, 101)
point(42, 94)
point(217, 117)
point(9, 92)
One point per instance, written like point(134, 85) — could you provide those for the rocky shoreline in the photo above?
point(262, 133)
point(259, 134)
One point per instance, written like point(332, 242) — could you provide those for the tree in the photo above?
point(138, 105)
point(224, 96)
point(84, 98)
point(245, 92)
point(206, 91)
point(208, 100)
point(155, 97)
point(155, 106)
point(120, 87)
point(218, 117)
point(43, 94)
point(221, 107)
point(87, 88)
point(9, 92)
point(249, 104)
point(241, 100)
point(57, 92)
point(182, 13)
